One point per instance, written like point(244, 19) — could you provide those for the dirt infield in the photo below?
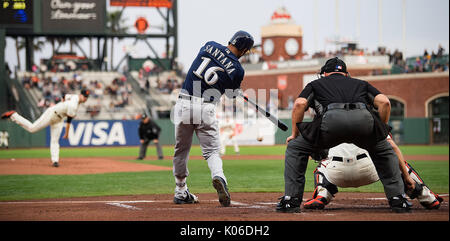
point(244, 206)
point(73, 166)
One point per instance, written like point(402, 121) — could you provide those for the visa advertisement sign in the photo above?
point(100, 133)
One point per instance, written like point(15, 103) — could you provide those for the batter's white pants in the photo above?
point(48, 118)
point(225, 139)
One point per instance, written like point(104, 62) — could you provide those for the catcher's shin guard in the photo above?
point(424, 195)
point(323, 193)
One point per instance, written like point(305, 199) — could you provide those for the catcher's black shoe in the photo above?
point(288, 204)
point(399, 204)
point(187, 198)
point(222, 191)
point(55, 164)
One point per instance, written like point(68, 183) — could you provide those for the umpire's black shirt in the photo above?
point(337, 88)
point(149, 130)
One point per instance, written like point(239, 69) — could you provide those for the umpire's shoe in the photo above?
point(288, 204)
point(186, 198)
point(399, 204)
point(222, 191)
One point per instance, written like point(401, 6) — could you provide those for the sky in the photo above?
point(199, 21)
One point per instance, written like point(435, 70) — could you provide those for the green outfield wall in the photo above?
point(20, 138)
point(405, 131)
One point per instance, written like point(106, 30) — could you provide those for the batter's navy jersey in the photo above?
point(215, 67)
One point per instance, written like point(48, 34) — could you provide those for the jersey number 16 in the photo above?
point(210, 76)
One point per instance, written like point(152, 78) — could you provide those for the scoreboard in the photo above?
point(16, 13)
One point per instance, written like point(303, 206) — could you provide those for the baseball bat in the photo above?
point(267, 114)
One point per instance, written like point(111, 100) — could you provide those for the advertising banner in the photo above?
point(74, 16)
point(100, 133)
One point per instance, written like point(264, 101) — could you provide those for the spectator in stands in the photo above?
point(98, 90)
point(93, 110)
point(440, 51)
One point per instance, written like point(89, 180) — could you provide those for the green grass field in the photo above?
point(242, 175)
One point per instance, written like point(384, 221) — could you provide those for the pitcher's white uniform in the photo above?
point(227, 133)
point(4, 138)
point(53, 117)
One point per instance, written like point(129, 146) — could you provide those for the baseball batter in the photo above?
point(350, 166)
point(228, 134)
point(54, 117)
point(215, 70)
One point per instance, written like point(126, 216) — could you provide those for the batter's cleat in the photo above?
point(433, 205)
point(288, 204)
point(7, 114)
point(187, 198)
point(399, 204)
point(222, 191)
point(317, 203)
point(55, 164)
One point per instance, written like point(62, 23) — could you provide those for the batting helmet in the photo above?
point(242, 40)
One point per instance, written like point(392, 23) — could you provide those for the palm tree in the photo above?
point(115, 24)
point(20, 44)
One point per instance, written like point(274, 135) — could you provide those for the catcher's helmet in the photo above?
point(334, 65)
point(242, 40)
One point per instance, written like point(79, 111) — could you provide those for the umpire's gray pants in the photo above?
point(333, 123)
point(198, 117)
point(144, 145)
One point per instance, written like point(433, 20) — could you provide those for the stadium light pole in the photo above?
point(404, 26)
point(2, 70)
point(380, 23)
point(358, 20)
point(315, 25)
point(336, 20)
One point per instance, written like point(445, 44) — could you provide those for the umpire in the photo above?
point(149, 131)
point(343, 114)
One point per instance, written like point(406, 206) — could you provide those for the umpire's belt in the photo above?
point(340, 159)
point(190, 97)
point(346, 106)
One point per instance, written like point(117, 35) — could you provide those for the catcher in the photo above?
point(350, 166)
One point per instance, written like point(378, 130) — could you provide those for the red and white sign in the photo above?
point(282, 82)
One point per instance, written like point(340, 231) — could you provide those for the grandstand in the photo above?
point(111, 98)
